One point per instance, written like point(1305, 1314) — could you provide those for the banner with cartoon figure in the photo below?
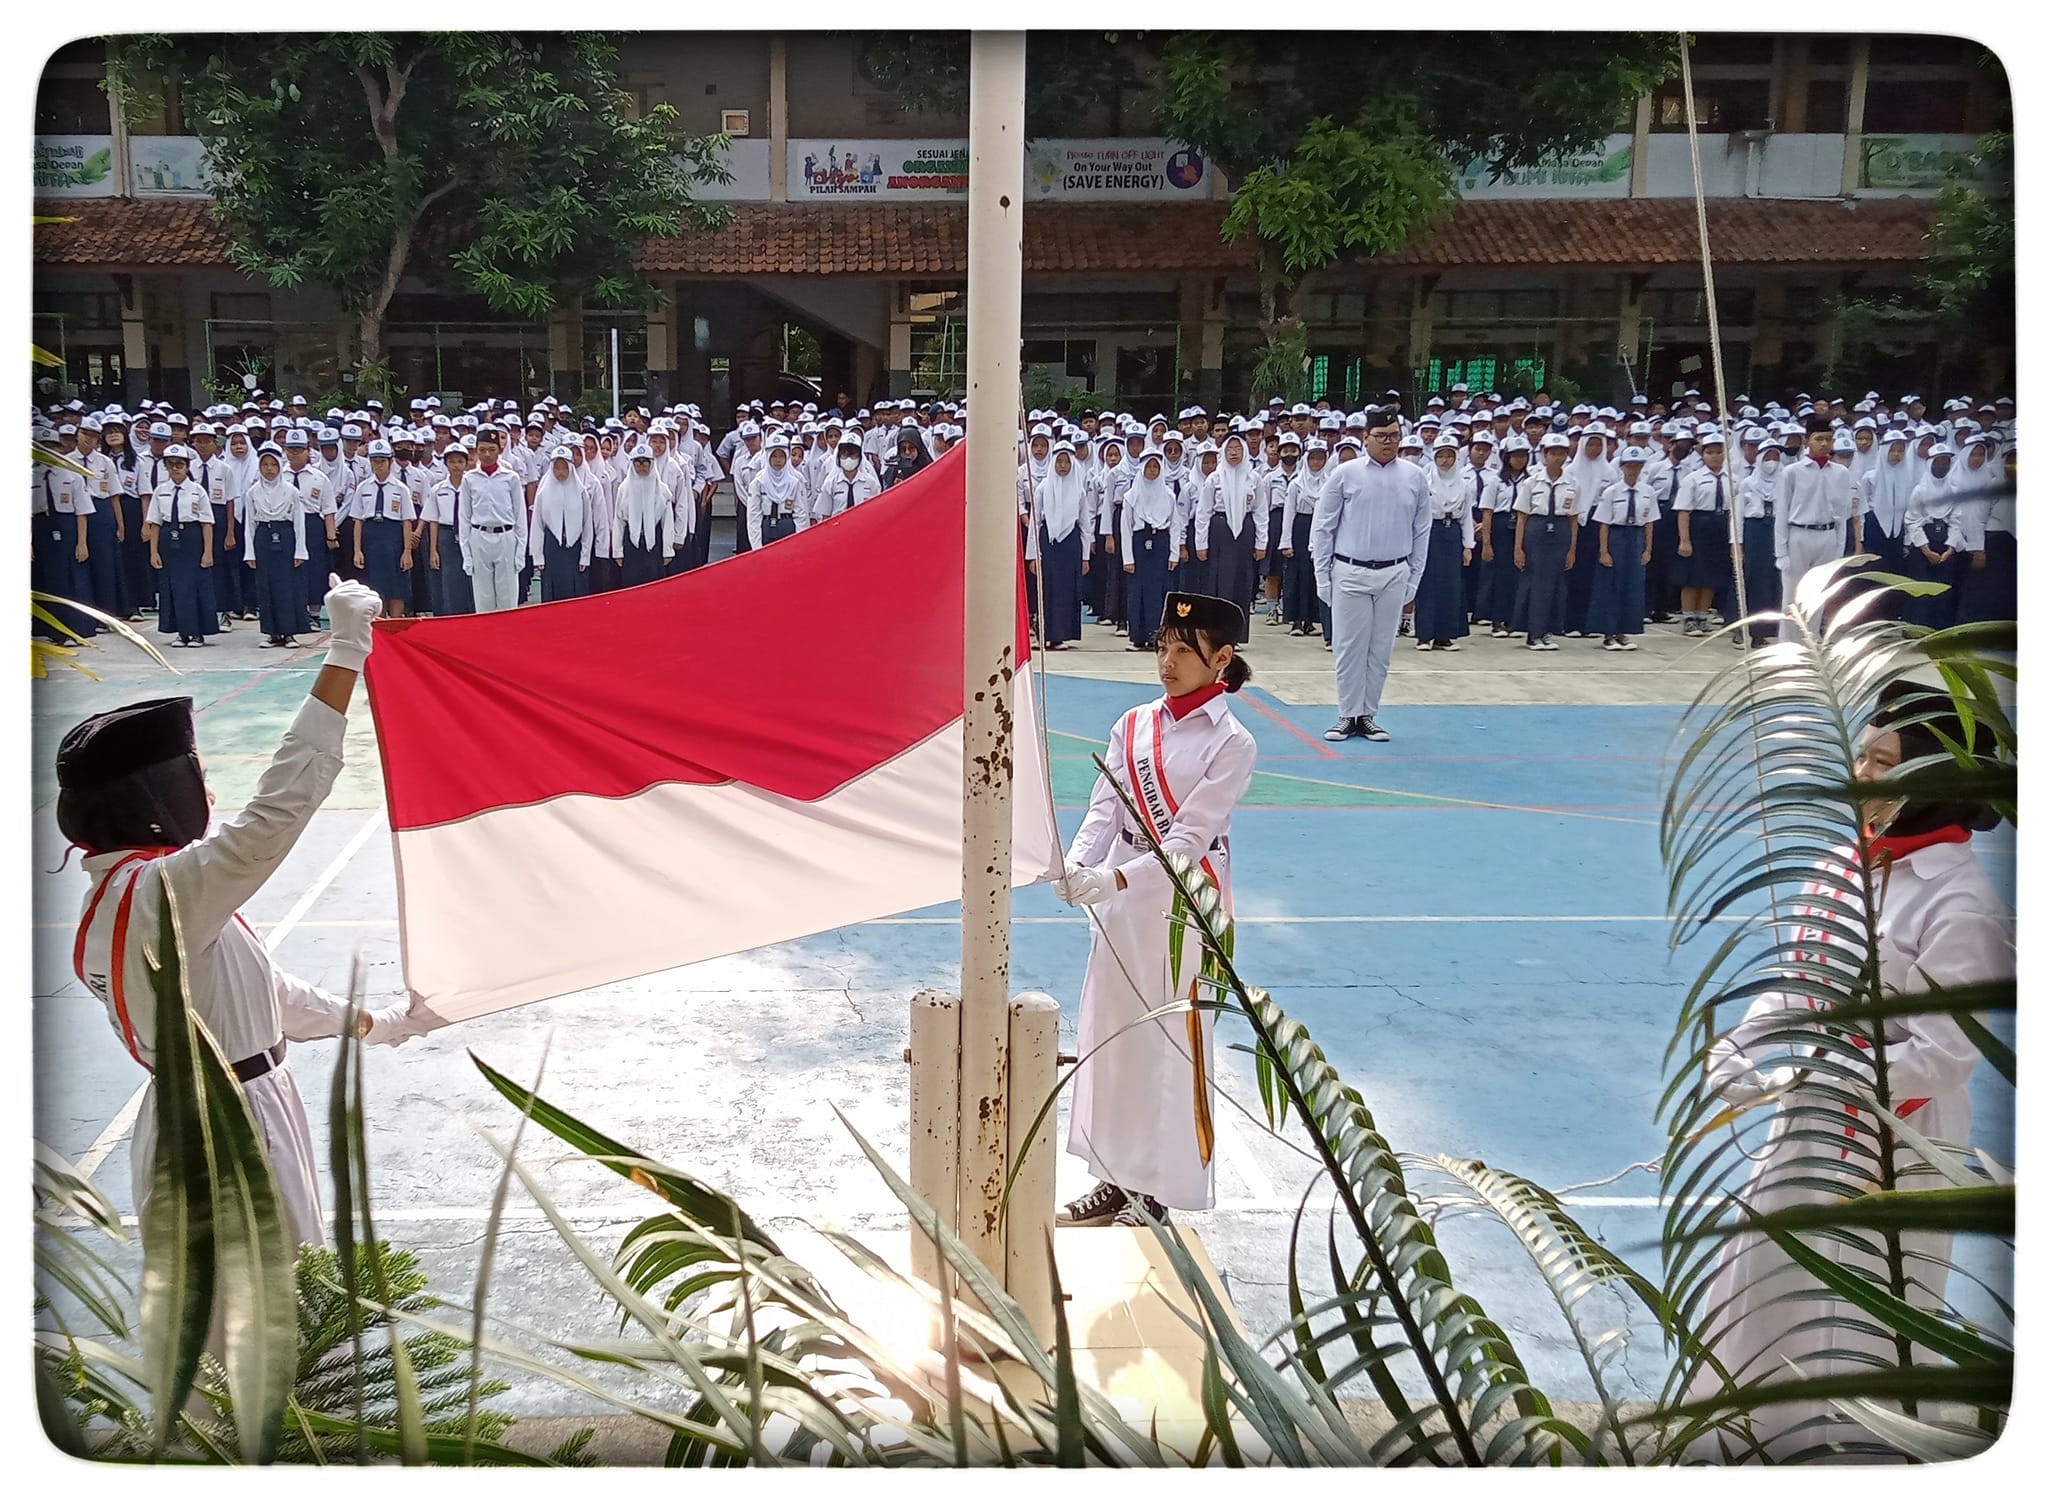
point(1126, 170)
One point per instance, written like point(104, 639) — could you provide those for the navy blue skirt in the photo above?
point(1540, 609)
point(319, 563)
point(1708, 566)
point(1761, 579)
point(1233, 573)
point(563, 576)
point(1148, 585)
point(383, 544)
point(184, 601)
point(53, 570)
point(454, 591)
point(1440, 597)
point(275, 585)
point(1617, 606)
point(99, 576)
point(1059, 570)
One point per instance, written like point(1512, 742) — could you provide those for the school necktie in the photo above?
point(1631, 506)
point(1717, 494)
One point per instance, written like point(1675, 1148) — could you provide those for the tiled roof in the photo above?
point(931, 238)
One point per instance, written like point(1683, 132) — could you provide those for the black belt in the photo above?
point(1831, 525)
point(249, 1069)
point(491, 530)
point(1221, 844)
point(1353, 561)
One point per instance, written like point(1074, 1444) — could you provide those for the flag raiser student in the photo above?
point(1142, 1112)
point(132, 795)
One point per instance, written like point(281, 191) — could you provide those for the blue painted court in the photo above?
point(1469, 919)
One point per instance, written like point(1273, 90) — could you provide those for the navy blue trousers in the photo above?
point(1617, 606)
point(274, 587)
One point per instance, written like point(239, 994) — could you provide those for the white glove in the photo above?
point(394, 1025)
point(352, 609)
point(467, 570)
point(1089, 886)
point(1062, 887)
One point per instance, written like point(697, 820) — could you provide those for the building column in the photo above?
point(778, 120)
point(1202, 325)
point(565, 350)
point(1628, 342)
point(1852, 122)
point(174, 370)
point(1639, 154)
point(117, 113)
point(661, 349)
point(134, 342)
point(899, 344)
point(1792, 110)
point(1421, 323)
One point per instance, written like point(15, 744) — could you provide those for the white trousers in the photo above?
point(1806, 550)
point(1365, 616)
point(494, 570)
point(287, 1139)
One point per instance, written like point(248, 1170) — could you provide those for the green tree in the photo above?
point(1334, 144)
point(514, 165)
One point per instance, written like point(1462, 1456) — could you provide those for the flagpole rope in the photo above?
point(1735, 519)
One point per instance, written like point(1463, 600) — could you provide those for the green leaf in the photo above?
point(178, 1286)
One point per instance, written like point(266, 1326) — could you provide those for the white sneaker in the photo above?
point(1450, 645)
point(1625, 644)
point(1610, 645)
point(1422, 644)
point(1548, 644)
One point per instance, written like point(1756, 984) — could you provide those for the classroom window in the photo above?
point(241, 306)
point(82, 309)
point(72, 106)
point(1724, 104)
point(1931, 108)
point(1827, 107)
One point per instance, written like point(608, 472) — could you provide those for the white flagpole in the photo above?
point(995, 291)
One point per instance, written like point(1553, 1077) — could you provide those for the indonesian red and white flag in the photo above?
point(587, 791)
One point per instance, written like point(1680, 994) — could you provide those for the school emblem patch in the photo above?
point(1183, 609)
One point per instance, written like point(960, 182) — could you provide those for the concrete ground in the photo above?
point(1469, 919)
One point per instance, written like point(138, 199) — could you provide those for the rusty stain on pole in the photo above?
point(995, 289)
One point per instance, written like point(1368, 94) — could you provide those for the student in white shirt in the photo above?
point(132, 794)
point(1704, 568)
point(453, 593)
point(319, 518)
point(642, 521)
point(1143, 1108)
point(1546, 543)
point(1298, 602)
point(179, 525)
point(1440, 619)
point(1057, 547)
point(559, 541)
point(381, 516)
point(273, 549)
point(773, 496)
point(1626, 515)
point(1229, 527)
point(492, 517)
point(1939, 540)
point(1757, 498)
point(848, 480)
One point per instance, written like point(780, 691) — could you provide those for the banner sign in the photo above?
point(166, 164)
point(74, 166)
point(1917, 163)
point(1115, 170)
point(1599, 173)
point(1127, 170)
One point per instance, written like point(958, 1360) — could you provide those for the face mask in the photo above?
point(849, 463)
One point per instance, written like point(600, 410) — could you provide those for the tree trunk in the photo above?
point(370, 334)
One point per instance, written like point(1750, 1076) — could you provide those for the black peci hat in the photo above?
point(112, 744)
point(1218, 617)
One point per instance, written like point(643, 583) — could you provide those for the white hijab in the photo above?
point(778, 486)
point(642, 500)
point(1233, 483)
point(1151, 502)
point(560, 503)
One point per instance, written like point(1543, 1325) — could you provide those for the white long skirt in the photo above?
point(287, 1138)
point(1764, 1309)
point(1133, 1116)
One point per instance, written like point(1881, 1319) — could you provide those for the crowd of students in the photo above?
point(1543, 521)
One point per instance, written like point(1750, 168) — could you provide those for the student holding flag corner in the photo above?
point(1142, 1115)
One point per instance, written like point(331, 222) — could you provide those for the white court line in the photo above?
point(770, 1207)
point(123, 1121)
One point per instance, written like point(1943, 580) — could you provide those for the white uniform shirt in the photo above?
point(184, 503)
point(1612, 507)
point(1208, 758)
point(1705, 491)
point(312, 483)
point(1811, 495)
point(1371, 512)
point(1934, 499)
point(494, 499)
point(389, 499)
point(836, 492)
point(265, 501)
point(244, 1000)
point(1546, 497)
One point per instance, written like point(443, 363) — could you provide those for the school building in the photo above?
point(845, 256)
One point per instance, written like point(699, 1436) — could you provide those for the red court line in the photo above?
point(1323, 750)
point(258, 673)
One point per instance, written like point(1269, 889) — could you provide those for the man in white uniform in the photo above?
point(131, 792)
point(1369, 540)
point(1815, 501)
point(493, 526)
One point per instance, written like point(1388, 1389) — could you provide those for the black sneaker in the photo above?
point(1142, 1210)
point(1099, 1208)
point(1368, 729)
point(1341, 730)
